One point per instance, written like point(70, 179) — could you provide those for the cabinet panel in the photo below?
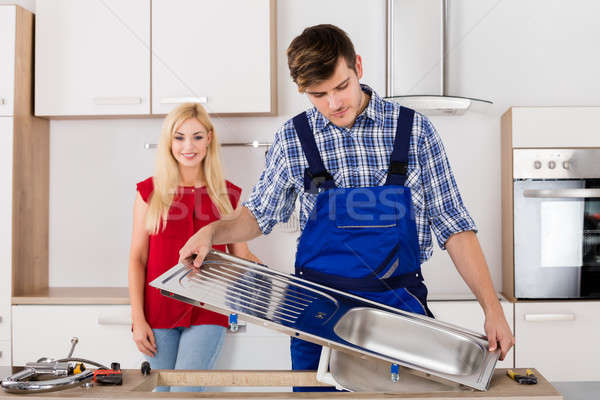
point(7, 61)
point(469, 315)
point(5, 353)
point(559, 339)
point(555, 127)
point(216, 52)
point(255, 347)
point(104, 333)
point(6, 178)
point(92, 57)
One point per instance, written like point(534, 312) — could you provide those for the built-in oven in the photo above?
point(556, 223)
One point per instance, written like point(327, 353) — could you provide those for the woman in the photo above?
point(187, 192)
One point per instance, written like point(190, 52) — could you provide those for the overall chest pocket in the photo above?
point(369, 207)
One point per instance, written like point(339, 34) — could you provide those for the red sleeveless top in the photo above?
point(191, 210)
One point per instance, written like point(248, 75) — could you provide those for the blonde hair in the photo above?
point(167, 178)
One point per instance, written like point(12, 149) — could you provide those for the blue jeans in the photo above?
point(196, 347)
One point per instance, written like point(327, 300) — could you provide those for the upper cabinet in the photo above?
point(92, 57)
point(7, 61)
point(220, 53)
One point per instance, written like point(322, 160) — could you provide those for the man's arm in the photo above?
point(240, 226)
point(465, 251)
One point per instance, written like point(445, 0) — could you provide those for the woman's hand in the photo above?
point(144, 338)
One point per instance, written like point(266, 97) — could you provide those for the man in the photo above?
point(372, 178)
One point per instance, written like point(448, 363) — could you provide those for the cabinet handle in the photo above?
point(113, 321)
point(180, 100)
point(549, 317)
point(2, 101)
point(117, 101)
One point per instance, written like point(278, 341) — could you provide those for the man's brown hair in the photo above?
point(313, 55)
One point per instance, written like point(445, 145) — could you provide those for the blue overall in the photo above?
point(360, 240)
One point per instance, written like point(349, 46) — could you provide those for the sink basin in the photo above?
point(332, 318)
point(410, 340)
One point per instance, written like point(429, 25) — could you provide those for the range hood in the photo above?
point(437, 104)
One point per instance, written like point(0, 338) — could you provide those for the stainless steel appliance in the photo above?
point(326, 316)
point(556, 223)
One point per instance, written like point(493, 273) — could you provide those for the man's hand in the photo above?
point(498, 333)
point(194, 251)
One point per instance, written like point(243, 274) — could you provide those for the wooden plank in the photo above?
point(238, 378)
point(75, 295)
point(30, 171)
point(508, 282)
point(136, 386)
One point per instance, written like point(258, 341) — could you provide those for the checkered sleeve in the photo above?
point(445, 209)
point(272, 199)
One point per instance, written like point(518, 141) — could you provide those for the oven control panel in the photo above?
point(556, 163)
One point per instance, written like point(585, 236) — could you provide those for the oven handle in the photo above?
point(562, 193)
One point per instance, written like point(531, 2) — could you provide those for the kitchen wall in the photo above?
point(534, 52)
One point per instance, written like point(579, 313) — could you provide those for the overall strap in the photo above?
point(315, 176)
point(399, 159)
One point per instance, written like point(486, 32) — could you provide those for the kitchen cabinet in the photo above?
point(559, 338)
point(4, 353)
point(552, 127)
point(255, 347)
point(469, 314)
point(7, 61)
point(220, 53)
point(6, 168)
point(92, 57)
point(104, 333)
point(24, 143)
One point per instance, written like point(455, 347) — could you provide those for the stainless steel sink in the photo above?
point(333, 318)
point(410, 340)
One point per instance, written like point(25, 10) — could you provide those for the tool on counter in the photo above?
point(145, 368)
point(112, 376)
point(71, 372)
point(528, 379)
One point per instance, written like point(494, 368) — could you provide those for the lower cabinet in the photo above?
point(469, 314)
point(559, 338)
point(5, 353)
point(104, 333)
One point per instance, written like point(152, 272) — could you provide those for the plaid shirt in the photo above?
point(359, 157)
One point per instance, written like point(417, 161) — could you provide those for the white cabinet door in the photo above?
point(216, 52)
point(6, 173)
point(469, 315)
point(255, 347)
point(104, 333)
point(7, 60)
point(92, 57)
point(5, 353)
point(560, 339)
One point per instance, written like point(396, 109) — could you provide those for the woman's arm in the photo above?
point(138, 257)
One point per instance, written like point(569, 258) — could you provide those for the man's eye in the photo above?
point(343, 86)
point(318, 95)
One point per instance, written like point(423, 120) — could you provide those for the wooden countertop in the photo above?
point(137, 386)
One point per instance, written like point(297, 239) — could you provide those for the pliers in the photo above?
point(528, 379)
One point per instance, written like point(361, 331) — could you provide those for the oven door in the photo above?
point(557, 238)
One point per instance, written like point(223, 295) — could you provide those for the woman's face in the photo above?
point(190, 143)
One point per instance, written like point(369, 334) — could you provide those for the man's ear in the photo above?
point(358, 67)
